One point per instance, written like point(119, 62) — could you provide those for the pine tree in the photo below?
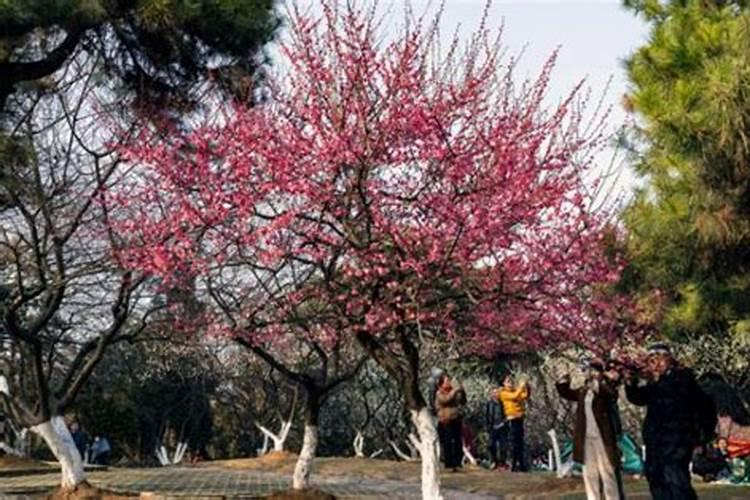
point(157, 48)
point(690, 222)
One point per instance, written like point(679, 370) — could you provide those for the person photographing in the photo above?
point(596, 429)
point(514, 400)
point(450, 398)
point(679, 417)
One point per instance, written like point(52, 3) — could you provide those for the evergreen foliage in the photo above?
point(689, 223)
point(158, 48)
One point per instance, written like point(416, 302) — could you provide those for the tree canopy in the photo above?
point(158, 48)
point(689, 223)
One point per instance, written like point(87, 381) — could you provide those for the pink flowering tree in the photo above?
point(272, 309)
point(215, 257)
point(400, 196)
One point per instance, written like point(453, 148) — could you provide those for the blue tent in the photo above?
point(632, 463)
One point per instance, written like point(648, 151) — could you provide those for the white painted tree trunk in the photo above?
point(556, 450)
point(468, 457)
point(400, 453)
point(163, 456)
point(278, 439)
point(428, 447)
point(359, 445)
point(179, 453)
point(301, 478)
point(57, 436)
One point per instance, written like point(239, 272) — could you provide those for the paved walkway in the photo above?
point(215, 482)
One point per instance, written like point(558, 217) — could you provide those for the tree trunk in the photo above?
point(359, 445)
point(57, 436)
point(302, 468)
point(278, 443)
point(405, 370)
point(423, 421)
point(556, 452)
point(278, 439)
point(428, 441)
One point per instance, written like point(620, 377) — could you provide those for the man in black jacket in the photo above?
point(497, 431)
point(677, 418)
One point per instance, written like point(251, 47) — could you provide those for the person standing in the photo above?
point(678, 419)
point(595, 434)
point(80, 438)
point(497, 431)
point(514, 400)
point(449, 399)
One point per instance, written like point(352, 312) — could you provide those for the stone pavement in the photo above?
point(215, 482)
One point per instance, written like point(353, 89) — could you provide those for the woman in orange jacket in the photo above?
point(514, 400)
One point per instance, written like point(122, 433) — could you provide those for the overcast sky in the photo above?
point(594, 37)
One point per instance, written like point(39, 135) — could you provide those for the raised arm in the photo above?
point(460, 394)
point(519, 394)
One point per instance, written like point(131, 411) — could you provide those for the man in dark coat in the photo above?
point(677, 420)
point(596, 429)
point(497, 431)
point(80, 438)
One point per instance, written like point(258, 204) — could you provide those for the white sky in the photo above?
point(594, 36)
